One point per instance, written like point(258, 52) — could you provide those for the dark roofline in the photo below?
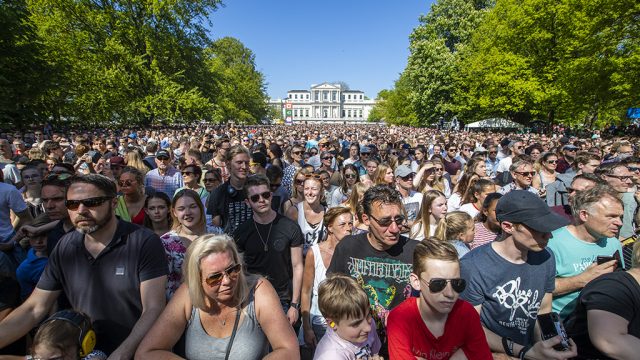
point(298, 91)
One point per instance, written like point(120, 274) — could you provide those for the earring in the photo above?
point(332, 324)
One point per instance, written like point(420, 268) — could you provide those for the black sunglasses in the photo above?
point(297, 152)
point(90, 202)
point(437, 285)
point(525, 173)
point(350, 176)
point(384, 222)
point(216, 278)
point(187, 173)
point(162, 158)
point(265, 195)
point(327, 158)
point(210, 180)
point(125, 183)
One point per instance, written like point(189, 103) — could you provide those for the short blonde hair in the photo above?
point(202, 247)
point(452, 225)
point(340, 297)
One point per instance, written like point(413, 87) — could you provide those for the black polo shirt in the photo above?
point(107, 288)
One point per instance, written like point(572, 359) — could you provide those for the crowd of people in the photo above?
point(315, 241)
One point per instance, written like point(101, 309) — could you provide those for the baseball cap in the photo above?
point(365, 149)
point(163, 152)
point(521, 206)
point(117, 161)
point(403, 170)
point(569, 147)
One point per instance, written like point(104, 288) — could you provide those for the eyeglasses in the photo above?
point(162, 158)
point(125, 183)
point(216, 278)
point(621, 177)
point(297, 152)
point(210, 180)
point(525, 173)
point(493, 152)
point(633, 168)
point(313, 176)
point(327, 158)
point(552, 161)
point(385, 222)
point(90, 202)
point(187, 173)
point(350, 176)
point(265, 195)
point(437, 285)
point(407, 178)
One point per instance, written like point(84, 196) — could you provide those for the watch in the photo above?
point(295, 306)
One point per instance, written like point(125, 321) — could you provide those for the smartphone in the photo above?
point(551, 326)
point(601, 259)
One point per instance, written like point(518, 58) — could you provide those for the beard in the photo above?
point(98, 223)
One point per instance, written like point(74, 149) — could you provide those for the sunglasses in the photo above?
point(210, 180)
point(187, 173)
point(27, 177)
point(525, 173)
point(327, 158)
point(300, 181)
point(216, 278)
point(633, 168)
point(90, 202)
point(297, 152)
point(453, 150)
point(265, 195)
point(350, 176)
point(493, 152)
point(430, 170)
point(439, 169)
point(437, 285)
point(407, 178)
point(384, 222)
point(313, 176)
point(519, 147)
point(552, 161)
point(162, 158)
point(125, 183)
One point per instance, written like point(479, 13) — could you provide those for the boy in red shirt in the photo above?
point(436, 325)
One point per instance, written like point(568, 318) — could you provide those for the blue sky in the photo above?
point(299, 43)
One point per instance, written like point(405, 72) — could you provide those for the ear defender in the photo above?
point(87, 337)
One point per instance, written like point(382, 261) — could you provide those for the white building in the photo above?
point(327, 103)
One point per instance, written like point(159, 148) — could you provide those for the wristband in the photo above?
point(507, 345)
point(523, 352)
point(295, 306)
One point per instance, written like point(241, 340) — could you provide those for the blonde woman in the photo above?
point(297, 189)
point(458, 228)
point(133, 158)
point(384, 175)
point(433, 209)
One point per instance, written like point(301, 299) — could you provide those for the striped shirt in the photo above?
point(482, 236)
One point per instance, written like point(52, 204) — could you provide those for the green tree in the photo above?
point(434, 58)
point(394, 106)
point(24, 75)
point(241, 93)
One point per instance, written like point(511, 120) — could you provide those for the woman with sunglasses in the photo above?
point(191, 175)
point(130, 206)
point(221, 311)
point(349, 178)
point(297, 193)
point(157, 208)
point(212, 179)
point(546, 175)
point(437, 320)
point(188, 219)
point(309, 213)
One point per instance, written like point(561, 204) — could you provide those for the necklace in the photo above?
point(224, 321)
point(265, 243)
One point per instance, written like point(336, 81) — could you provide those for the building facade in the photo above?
point(327, 103)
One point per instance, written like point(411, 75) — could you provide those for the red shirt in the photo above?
point(410, 338)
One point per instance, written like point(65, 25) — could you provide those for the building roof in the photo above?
point(352, 91)
point(298, 91)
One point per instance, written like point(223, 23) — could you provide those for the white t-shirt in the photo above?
point(470, 209)
point(412, 204)
point(504, 164)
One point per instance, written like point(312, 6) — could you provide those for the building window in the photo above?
point(348, 113)
point(295, 96)
point(289, 96)
point(334, 95)
point(317, 97)
point(360, 97)
point(295, 112)
point(307, 96)
point(325, 96)
point(306, 112)
point(344, 113)
point(349, 96)
point(359, 113)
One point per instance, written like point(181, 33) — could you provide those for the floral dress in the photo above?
point(175, 250)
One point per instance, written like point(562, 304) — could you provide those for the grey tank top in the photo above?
point(250, 342)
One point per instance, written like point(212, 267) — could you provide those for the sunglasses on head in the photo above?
point(313, 176)
point(216, 278)
point(90, 202)
point(437, 285)
point(58, 175)
point(633, 168)
point(384, 222)
point(125, 183)
point(265, 195)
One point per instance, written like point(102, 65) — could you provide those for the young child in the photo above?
point(352, 332)
point(436, 324)
point(457, 227)
point(67, 335)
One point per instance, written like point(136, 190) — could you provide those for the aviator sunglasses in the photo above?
point(265, 195)
point(437, 285)
point(216, 278)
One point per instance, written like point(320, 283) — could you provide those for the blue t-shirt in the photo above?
point(510, 294)
point(29, 271)
point(573, 256)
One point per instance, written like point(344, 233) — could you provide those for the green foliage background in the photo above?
point(113, 62)
point(575, 62)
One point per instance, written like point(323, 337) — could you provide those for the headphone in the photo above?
point(87, 338)
point(232, 191)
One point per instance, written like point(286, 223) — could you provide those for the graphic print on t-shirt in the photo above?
point(380, 278)
point(238, 212)
point(413, 209)
point(523, 304)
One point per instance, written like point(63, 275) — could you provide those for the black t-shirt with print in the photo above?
point(229, 204)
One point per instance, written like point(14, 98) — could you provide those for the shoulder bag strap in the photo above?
point(233, 334)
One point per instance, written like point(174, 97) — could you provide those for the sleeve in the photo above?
point(398, 335)
point(475, 344)
point(474, 291)
point(611, 295)
point(16, 202)
point(550, 284)
point(296, 235)
point(213, 208)
point(153, 259)
point(10, 294)
point(51, 277)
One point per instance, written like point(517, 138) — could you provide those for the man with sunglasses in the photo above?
point(271, 245)
point(436, 324)
point(511, 280)
point(112, 270)
point(452, 165)
point(522, 173)
point(492, 161)
point(380, 260)
point(165, 178)
point(411, 199)
point(565, 161)
point(297, 151)
point(618, 176)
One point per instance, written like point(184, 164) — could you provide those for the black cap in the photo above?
point(521, 206)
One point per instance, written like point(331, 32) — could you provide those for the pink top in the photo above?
point(482, 236)
point(333, 347)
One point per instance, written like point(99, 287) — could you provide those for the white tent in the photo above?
point(494, 123)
